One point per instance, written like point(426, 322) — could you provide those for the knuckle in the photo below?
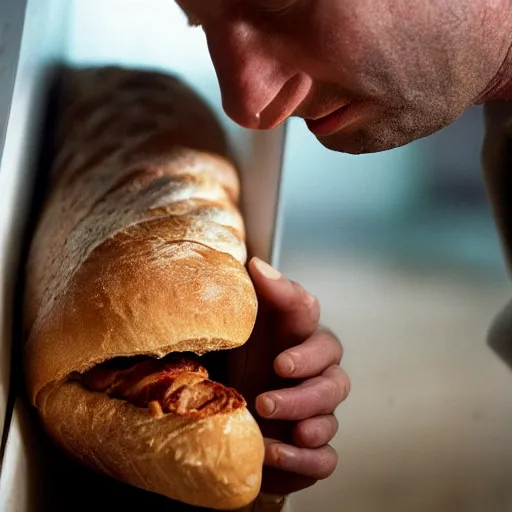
point(330, 343)
point(297, 359)
point(319, 431)
point(339, 350)
point(340, 380)
point(303, 299)
point(310, 434)
point(298, 295)
point(272, 455)
point(322, 338)
point(302, 435)
point(328, 463)
point(327, 334)
point(335, 425)
point(344, 384)
point(334, 391)
point(289, 407)
point(347, 385)
point(312, 302)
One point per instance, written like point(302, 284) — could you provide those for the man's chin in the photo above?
point(389, 130)
point(366, 142)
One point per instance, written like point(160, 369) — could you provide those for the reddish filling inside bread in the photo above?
point(174, 385)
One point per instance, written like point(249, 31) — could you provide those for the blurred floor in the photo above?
point(428, 425)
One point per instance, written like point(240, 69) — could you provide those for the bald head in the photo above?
point(367, 75)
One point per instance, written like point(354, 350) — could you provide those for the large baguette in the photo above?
point(140, 251)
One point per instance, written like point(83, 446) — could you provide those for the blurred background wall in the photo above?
point(401, 249)
point(402, 252)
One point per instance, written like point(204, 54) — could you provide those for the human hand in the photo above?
point(308, 385)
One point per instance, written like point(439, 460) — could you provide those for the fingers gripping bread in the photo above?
point(139, 254)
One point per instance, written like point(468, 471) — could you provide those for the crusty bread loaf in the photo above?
point(140, 251)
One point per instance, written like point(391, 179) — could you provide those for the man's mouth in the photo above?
point(332, 122)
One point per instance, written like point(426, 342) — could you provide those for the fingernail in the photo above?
point(266, 270)
point(266, 406)
point(286, 364)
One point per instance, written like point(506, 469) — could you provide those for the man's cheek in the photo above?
point(351, 60)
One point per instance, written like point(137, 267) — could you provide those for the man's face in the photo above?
point(366, 75)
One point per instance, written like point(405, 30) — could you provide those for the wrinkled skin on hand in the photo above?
point(296, 386)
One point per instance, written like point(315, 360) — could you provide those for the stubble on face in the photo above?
point(417, 68)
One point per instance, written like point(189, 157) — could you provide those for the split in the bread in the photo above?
point(176, 384)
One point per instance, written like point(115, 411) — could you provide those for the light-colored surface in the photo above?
point(41, 48)
point(11, 24)
point(23, 134)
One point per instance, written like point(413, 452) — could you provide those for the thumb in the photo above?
point(296, 311)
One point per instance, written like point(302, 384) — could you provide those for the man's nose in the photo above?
point(250, 76)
